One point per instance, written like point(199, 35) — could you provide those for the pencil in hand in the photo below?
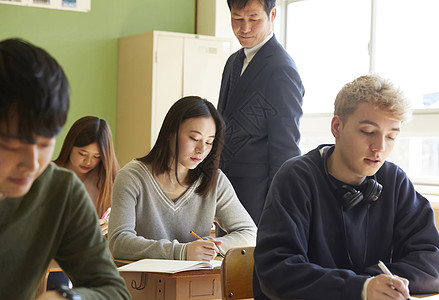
point(199, 238)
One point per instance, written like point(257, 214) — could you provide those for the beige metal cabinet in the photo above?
point(156, 69)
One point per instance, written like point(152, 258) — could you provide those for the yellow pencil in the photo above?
point(199, 238)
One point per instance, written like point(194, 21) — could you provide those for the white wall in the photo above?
point(213, 18)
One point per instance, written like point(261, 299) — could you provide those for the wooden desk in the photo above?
point(198, 284)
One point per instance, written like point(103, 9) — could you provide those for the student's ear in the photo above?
point(273, 14)
point(336, 126)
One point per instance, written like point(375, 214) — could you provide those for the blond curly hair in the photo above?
point(375, 90)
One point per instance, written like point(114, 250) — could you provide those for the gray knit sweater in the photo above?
point(145, 223)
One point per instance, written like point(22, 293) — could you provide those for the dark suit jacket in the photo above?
point(262, 118)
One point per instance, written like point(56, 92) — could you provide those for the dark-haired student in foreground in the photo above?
point(333, 213)
point(45, 211)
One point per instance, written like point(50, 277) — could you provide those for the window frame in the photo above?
point(316, 126)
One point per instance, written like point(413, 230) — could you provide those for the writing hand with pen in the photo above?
point(201, 249)
point(388, 286)
point(103, 221)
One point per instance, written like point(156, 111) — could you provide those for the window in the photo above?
point(333, 42)
point(407, 48)
point(329, 45)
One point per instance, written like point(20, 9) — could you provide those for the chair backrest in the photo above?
point(237, 273)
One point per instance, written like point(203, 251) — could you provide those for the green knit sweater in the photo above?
point(55, 219)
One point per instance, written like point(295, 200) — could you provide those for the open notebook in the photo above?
point(435, 297)
point(169, 266)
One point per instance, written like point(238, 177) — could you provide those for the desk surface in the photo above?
point(122, 262)
point(433, 296)
point(190, 273)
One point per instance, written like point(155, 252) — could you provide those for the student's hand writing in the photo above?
point(384, 287)
point(104, 226)
point(50, 295)
point(202, 250)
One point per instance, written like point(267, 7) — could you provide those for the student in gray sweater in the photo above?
point(177, 188)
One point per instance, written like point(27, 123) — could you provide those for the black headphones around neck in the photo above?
point(349, 195)
point(352, 197)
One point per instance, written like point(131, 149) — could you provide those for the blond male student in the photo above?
point(334, 213)
point(45, 212)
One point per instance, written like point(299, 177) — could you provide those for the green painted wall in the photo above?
point(85, 44)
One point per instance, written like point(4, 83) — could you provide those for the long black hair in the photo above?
point(160, 156)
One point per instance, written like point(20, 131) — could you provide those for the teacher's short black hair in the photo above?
point(268, 4)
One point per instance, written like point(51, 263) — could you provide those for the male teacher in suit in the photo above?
point(261, 101)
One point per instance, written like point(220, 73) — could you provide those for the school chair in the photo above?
point(237, 273)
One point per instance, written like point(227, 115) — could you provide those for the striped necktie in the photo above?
point(236, 70)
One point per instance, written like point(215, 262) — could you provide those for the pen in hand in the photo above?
point(106, 214)
point(386, 271)
point(199, 238)
point(384, 268)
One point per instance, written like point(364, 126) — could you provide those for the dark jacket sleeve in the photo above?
point(285, 91)
point(415, 245)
